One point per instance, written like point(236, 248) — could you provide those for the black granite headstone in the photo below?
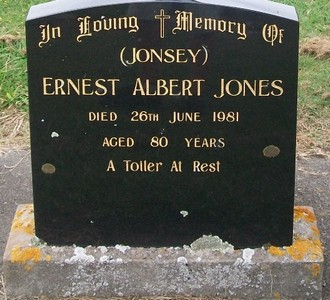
point(154, 123)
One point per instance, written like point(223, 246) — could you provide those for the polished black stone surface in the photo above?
point(111, 165)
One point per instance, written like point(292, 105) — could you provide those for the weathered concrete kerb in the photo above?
point(207, 268)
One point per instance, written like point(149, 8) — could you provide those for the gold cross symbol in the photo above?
point(162, 17)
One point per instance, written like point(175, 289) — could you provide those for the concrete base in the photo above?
point(33, 269)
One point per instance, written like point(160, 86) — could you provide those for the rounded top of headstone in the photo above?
point(62, 6)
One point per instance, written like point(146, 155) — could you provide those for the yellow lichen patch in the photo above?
point(25, 256)
point(28, 209)
point(48, 258)
point(24, 221)
point(305, 249)
point(302, 212)
point(300, 249)
point(316, 270)
point(276, 251)
point(315, 230)
point(277, 295)
point(28, 256)
point(27, 226)
point(316, 252)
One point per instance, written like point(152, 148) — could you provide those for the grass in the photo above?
point(314, 74)
point(13, 77)
point(314, 16)
point(12, 15)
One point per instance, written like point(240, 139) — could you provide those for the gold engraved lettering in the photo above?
point(271, 34)
point(88, 27)
point(118, 142)
point(168, 56)
point(204, 167)
point(81, 86)
point(185, 117)
point(85, 87)
point(102, 116)
point(277, 88)
point(263, 88)
point(198, 142)
point(159, 142)
point(225, 117)
point(141, 166)
point(186, 21)
point(144, 116)
point(111, 166)
point(168, 87)
point(84, 27)
point(101, 89)
point(176, 166)
point(255, 88)
point(198, 23)
point(162, 17)
point(48, 33)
